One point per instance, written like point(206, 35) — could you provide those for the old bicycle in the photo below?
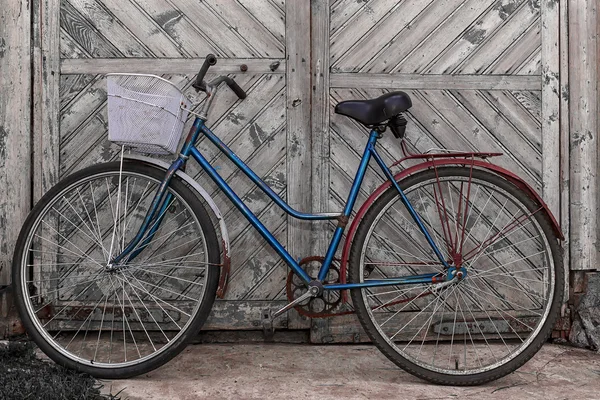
point(453, 265)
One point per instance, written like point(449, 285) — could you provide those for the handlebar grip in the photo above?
point(236, 89)
point(209, 61)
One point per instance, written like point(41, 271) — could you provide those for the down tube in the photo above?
point(265, 233)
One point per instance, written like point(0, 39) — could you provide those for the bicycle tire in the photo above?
point(161, 299)
point(492, 308)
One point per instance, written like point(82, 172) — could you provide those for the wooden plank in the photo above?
point(246, 315)
point(47, 102)
point(297, 33)
point(551, 106)
point(413, 81)
point(171, 66)
point(583, 103)
point(320, 120)
point(15, 119)
point(564, 218)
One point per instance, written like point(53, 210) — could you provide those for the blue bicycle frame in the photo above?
point(162, 200)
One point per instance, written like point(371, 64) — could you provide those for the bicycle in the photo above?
point(453, 265)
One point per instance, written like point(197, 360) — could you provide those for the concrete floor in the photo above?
point(284, 371)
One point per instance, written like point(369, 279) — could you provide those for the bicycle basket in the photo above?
point(145, 113)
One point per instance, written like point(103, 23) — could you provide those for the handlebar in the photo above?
point(200, 84)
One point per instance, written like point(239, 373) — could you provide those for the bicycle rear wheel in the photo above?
point(497, 315)
point(114, 323)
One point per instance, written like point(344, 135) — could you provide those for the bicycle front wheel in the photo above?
point(115, 322)
point(499, 244)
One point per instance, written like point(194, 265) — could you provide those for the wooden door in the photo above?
point(78, 41)
point(482, 75)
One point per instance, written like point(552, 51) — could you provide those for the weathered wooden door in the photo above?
point(78, 41)
point(482, 75)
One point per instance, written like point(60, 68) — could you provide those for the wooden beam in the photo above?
point(414, 81)
point(15, 126)
point(46, 79)
point(297, 33)
point(583, 105)
point(564, 217)
point(320, 120)
point(170, 65)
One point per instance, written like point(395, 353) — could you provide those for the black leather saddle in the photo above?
point(375, 111)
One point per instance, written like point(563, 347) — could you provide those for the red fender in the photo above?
point(440, 162)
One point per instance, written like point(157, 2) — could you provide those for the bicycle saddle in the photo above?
point(375, 111)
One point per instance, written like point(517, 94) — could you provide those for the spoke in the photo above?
point(126, 320)
point(67, 305)
point(155, 239)
point(406, 254)
point(123, 233)
point(166, 290)
point(403, 308)
point(469, 332)
point(95, 238)
point(145, 262)
point(419, 313)
point(82, 255)
point(138, 316)
point(453, 331)
point(495, 282)
point(45, 294)
point(444, 221)
point(133, 287)
point(501, 233)
point(507, 301)
point(97, 234)
point(167, 276)
point(392, 300)
point(466, 293)
point(158, 219)
point(173, 248)
point(83, 323)
point(101, 325)
point(163, 301)
point(473, 286)
point(409, 222)
point(478, 274)
point(427, 321)
point(476, 324)
point(479, 216)
point(444, 250)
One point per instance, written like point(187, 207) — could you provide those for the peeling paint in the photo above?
point(565, 92)
point(3, 136)
point(169, 18)
point(236, 118)
point(474, 35)
point(580, 138)
point(505, 10)
point(257, 135)
point(2, 47)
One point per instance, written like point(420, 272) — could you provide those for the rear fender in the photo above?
point(442, 162)
point(201, 192)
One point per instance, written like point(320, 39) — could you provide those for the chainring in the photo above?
point(316, 307)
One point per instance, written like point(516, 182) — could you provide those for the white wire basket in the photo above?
point(146, 113)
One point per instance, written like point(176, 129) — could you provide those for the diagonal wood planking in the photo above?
point(473, 69)
point(239, 31)
point(175, 28)
point(434, 37)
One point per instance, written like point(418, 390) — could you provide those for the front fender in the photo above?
point(200, 191)
point(441, 162)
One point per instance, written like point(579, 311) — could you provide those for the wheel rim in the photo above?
point(112, 319)
point(486, 319)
